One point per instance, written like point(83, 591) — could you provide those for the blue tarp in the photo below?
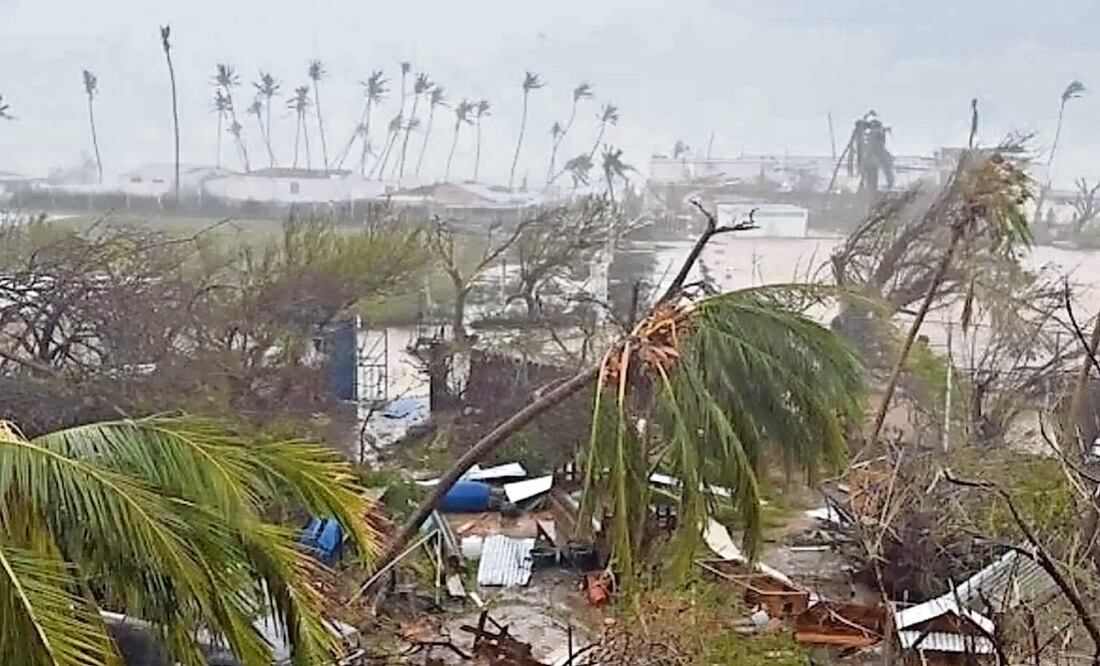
point(324, 537)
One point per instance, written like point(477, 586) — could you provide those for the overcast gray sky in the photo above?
point(760, 74)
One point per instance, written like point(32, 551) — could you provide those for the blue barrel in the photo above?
point(466, 497)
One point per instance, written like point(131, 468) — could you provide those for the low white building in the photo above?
point(157, 179)
point(773, 220)
point(295, 186)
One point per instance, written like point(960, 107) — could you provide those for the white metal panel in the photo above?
point(505, 562)
point(945, 642)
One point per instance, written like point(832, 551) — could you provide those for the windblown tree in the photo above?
point(614, 168)
point(267, 87)
point(299, 103)
point(579, 169)
point(256, 108)
point(609, 116)
point(226, 78)
point(1072, 91)
point(374, 92)
point(422, 86)
point(581, 92)
point(480, 111)
point(531, 81)
point(441, 242)
point(867, 155)
point(982, 201)
point(1086, 207)
point(724, 384)
point(316, 73)
point(395, 125)
point(462, 117)
point(91, 88)
point(165, 33)
point(221, 110)
point(437, 97)
point(164, 520)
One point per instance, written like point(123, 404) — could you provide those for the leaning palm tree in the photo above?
point(614, 167)
point(221, 109)
point(316, 73)
point(226, 78)
point(480, 111)
point(462, 117)
point(531, 81)
point(5, 110)
point(579, 169)
point(164, 520)
point(708, 389)
point(256, 108)
point(91, 87)
point(422, 86)
point(267, 87)
point(299, 104)
point(165, 33)
point(609, 115)
point(581, 92)
point(556, 133)
point(375, 91)
point(1074, 90)
point(981, 202)
point(393, 131)
point(435, 99)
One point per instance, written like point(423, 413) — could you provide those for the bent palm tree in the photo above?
point(299, 103)
point(267, 88)
point(531, 81)
point(91, 87)
point(165, 33)
point(256, 108)
point(162, 519)
point(583, 91)
point(726, 381)
point(480, 111)
point(462, 117)
point(394, 130)
point(614, 167)
point(437, 98)
point(374, 90)
point(982, 201)
point(422, 86)
point(316, 73)
point(609, 115)
point(221, 109)
point(227, 79)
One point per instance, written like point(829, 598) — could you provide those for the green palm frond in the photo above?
point(725, 386)
point(163, 517)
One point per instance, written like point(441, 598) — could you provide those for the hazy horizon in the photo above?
point(761, 75)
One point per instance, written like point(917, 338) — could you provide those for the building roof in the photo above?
point(914, 615)
point(943, 642)
point(1013, 579)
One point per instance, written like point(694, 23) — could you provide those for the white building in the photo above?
point(157, 179)
point(295, 186)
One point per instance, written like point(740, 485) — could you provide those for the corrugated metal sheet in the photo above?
point(903, 619)
point(1013, 579)
point(505, 562)
point(943, 642)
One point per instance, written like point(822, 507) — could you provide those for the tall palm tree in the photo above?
point(5, 110)
point(267, 87)
point(581, 92)
point(614, 167)
point(1074, 90)
point(436, 98)
point(422, 86)
point(256, 108)
point(375, 90)
point(556, 132)
point(299, 103)
point(480, 111)
point(165, 33)
point(164, 520)
point(221, 109)
point(392, 132)
point(985, 196)
point(462, 117)
point(609, 115)
point(316, 73)
point(531, 81)
point(91, 87)
point(226, 78)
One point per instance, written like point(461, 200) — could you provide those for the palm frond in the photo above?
point(1074, 90)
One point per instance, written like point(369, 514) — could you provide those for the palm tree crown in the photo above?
point(5, 110)
point(267, 86)
point(165, 521)
point(91, 83)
